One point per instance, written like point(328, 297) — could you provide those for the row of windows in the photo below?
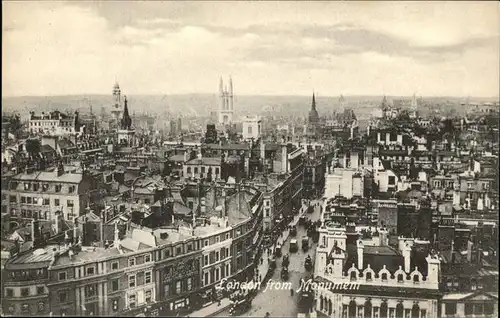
point(471, 309)
point(25, 292)
point(180, 287)
point(25, 308)
point(202, 170)
point(132, 280)
point(35, 186)
point(216, 256)
point(132, 298)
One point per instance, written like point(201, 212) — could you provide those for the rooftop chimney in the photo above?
point(407, 257)
point(360, 254)
point(117, 237)
point(224, 211)
point(383, 237)
point(469, 251)
point(33, 231)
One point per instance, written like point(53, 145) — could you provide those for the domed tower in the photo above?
point(117, 108)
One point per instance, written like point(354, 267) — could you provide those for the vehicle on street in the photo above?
point(308, 263)
point(277, 250)
point(293, 231)
point(294, 246)
point(305, 243)
point(284, 273)
point(310, 209)
point(302, 220)
point(239, 307)
point(272, 262)
point(286, 261)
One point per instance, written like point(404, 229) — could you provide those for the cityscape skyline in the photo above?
point(354, 49)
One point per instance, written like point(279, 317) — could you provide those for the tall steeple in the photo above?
point(126, 123)
point(221, 87)
point(230, 86)
point(313, 105)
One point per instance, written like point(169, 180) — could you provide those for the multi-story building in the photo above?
point(203, 167)
point(40, 194)
point(154, 272)
point(375, 280)
point(314, 176)
point(54, 123)
point(252, 127)
point(226, 106)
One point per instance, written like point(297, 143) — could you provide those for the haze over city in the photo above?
point(271, 48)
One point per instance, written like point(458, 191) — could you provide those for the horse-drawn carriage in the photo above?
point(277, 250)
point(305, 243)
point(272, 263)
point(286, 261)
point(284, 273)
point(308, 263)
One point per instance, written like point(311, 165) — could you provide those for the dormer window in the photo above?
point(368, 276)
point(384, 276)
point(353, 275)
point(400, 278)
point(416, 278)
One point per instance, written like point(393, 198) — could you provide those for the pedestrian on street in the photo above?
point(261, 261)
point(260, 278)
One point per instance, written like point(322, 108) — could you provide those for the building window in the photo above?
point(131, 301)
point(249, 130)
point(147, 258)
point(227, 236)
point(178, 250)
point(206, 280)
point(148, 296)
point(178, 287)
point(114, 266)
point(188, 169)
point(58, 188)
point(400, 278)
point(23, 199)
point(206, 260)
point(90, 291)
point(202, 169)
point(131, 281)
point(131, 261)
point(147, 277)
point(206, 242)
point(40, 290)
point(63, 296)
point(166, 290)
point(189, 284)
point(216, 170)
point(13, 199)
point(115, 305)
point(450, 309)
point(384, 276)
point(46, 201)
point(69, 203)
point(71, 189)
point(392, 180)
point(217, 239)
point(115, 284)
point(9, 292)
point(368, 276)
point(195, 170)
point(90, 270)
point(25, 308)
point(62, 276)
point(41, 307)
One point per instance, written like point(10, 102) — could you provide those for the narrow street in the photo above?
point(280, 303)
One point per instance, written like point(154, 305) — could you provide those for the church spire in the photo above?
point(126, 120)
point(313, 105)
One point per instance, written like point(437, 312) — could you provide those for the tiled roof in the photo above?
point(50, 177)
point(205, 161)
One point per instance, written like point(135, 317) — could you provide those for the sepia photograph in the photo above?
point(300, 159)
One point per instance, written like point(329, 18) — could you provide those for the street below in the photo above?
point(280, 302)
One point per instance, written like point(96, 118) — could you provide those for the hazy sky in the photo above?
point(283, 48)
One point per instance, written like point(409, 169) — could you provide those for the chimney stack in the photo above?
point(33, 231)
point(407, 257)
point(203, 208)
point(262, 150)
point(469, 250)
point(224, 212)
point(116, 242)
point(360, 255)
point(284, 159)
point(383, 237)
